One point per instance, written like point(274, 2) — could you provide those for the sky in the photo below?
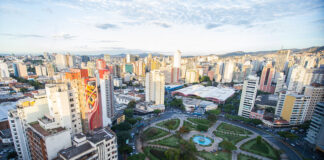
point(196, 27)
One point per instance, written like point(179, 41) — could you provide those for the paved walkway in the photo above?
point(209, 134)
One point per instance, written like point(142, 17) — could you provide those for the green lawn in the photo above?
point(174, 123)
point(216, 156)
point(245, 157)
point(154, 153)
point(203, 122)
point(263, 149)
point(154, 133)
point(189, 125)
point(231, 138)
point(171, 141)
point(231, 128)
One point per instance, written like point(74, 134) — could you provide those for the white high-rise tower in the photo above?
point(154, 87)
point(177, 59)
point(249, 92)
point(107, 97)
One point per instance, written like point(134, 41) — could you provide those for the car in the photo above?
point(292, 144)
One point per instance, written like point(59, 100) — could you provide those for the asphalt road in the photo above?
point(284, 147)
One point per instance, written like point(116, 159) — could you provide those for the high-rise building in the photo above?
point(295, 79)
point(280, 103)
point(128, 58)
point(41, 70)
point(100, 64)
point(175, 75)
point(154, 87)
point(228, 72)
point(315, 133)
point(281, 60)
point(315, 92)
point(4, 72)
point(177, 59)
point(192, 76)
point(28, 110)
point(91, 67)
point(99, 145)
point(139, 68)
point(294, 108)
point(106, 97)
point(44, 141)
point(128, 68)
point(50, 69)
point(64, 107)
point(249, 92)
point(61, 61)
point(85, 59)
point(20, 70)
point(107, 58)
point(266, 79)
point(70, 60)
point(280, 85)
point(87, 93)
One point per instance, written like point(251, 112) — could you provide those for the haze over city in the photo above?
point(161, 80)
point(150, 26)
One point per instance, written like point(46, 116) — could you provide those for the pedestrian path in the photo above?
point(209, 134)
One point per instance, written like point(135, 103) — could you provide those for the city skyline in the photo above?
point(195, 28)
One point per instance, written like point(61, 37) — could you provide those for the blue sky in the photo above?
point(195, 27)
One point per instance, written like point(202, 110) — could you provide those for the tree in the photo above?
point(131, 104)
point(204, 79)
point(256, 121)
point(212, 117)
point(23, 90)
point(138, 156)
point(183, 130)
point(12, 155)
point(157, 111)
point(172, 154)
point(258, 139)
point(125, 149)
point(132, 121)
point(177, 103)
point(122, 127)
point(129, 112)
point(169, 126)
point(187, 150)
point(228, 146)
point(202, 127)
point(270, 110)
point(305, 125)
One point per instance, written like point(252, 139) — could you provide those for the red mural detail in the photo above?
point(94, 112)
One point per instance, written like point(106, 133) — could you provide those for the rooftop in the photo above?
point(4, 108)
point(75, 150)
point(210, 92)
point(270, 100)
point(35, 126)
point(100, 134)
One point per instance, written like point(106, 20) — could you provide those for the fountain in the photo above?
point(201, 140)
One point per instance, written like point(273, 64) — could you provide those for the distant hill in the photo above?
point(294, 50)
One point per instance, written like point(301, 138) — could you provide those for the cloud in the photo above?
point(106, 26)
point(22, 35)
point(107, 41)
point(203, 12)
point(64, 36)
point(212, 25)
point(164, 25)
